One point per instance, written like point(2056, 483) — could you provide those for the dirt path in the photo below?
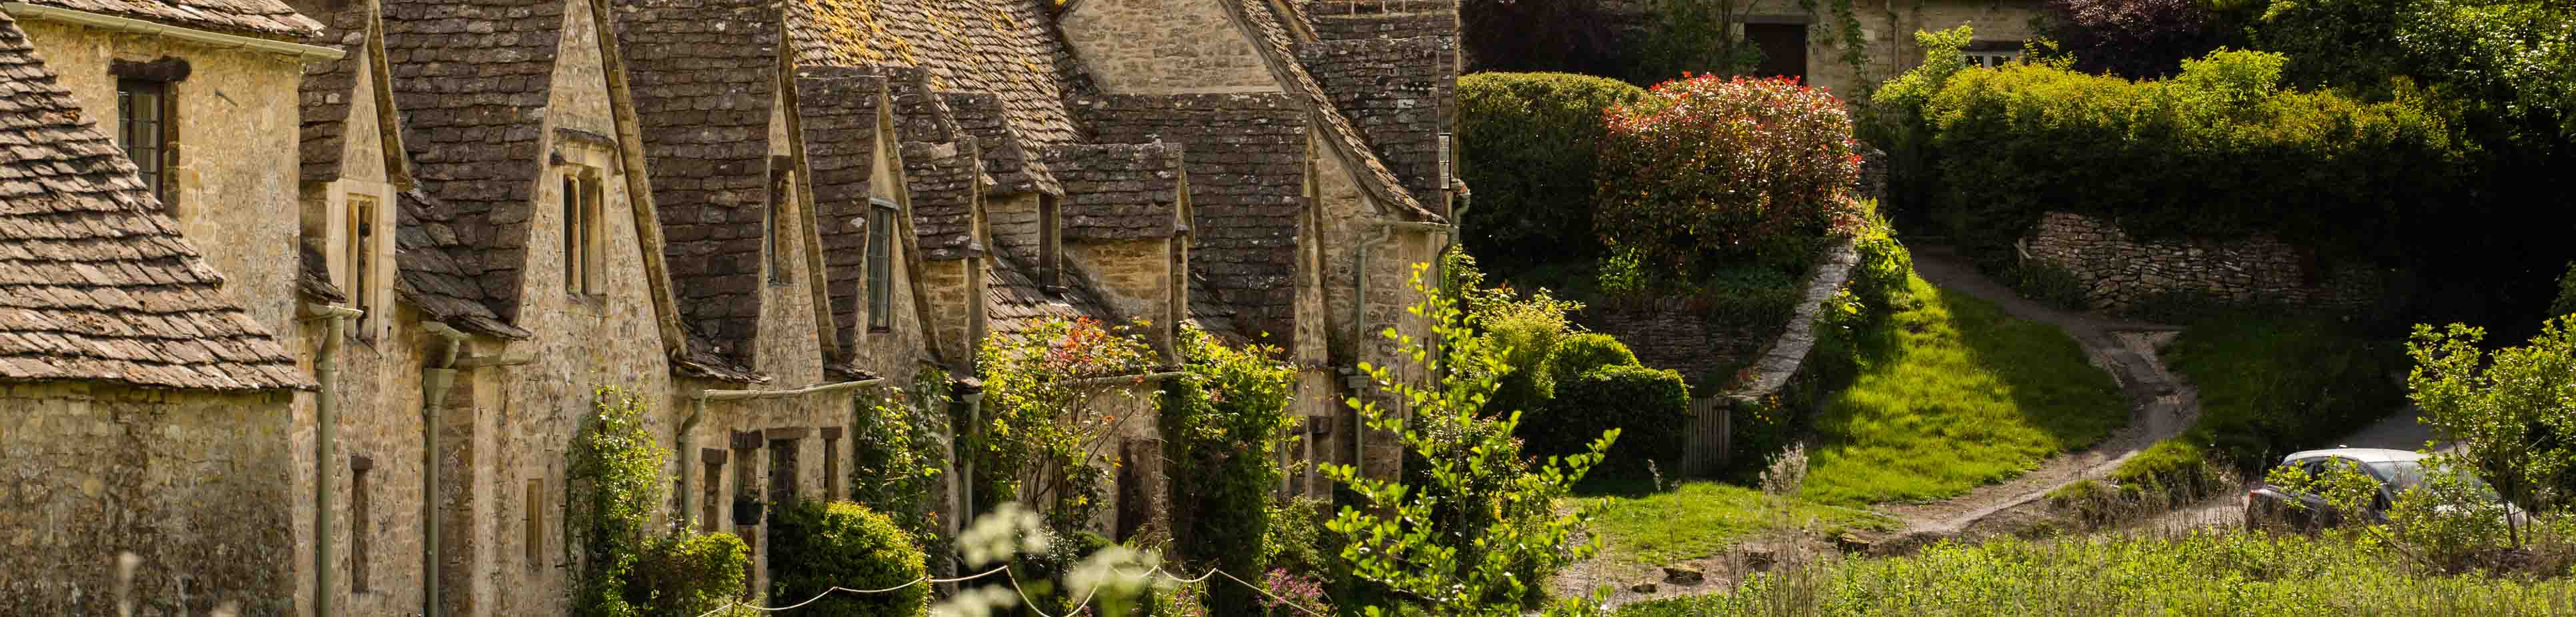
point(2160, 405)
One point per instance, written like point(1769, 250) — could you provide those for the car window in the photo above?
point(2398, 475)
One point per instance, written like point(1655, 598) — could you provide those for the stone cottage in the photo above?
point(1806, 39)
point(742, 213)
point(145, 408)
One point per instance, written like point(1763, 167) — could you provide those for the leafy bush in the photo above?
point(2507, 411)
point(2268, 386)
point(2048, 284)
point(898, 456)
point(1706, 171)
point(2134, 38)
point(1583, 352)
point(1044, 422)
point(684, 574)
point(1528, 144)
point(1474, 530)
point(1879, 277)
point(1524, 331)
point(1682, 37)
point(1294, 540)
point(1892, 120)
point(814, 546)
point(1651, 407)
point(1223, 419)
point(2216, 152)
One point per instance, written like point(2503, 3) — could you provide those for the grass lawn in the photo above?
point(1951, 394)
point(1700, 519)
point(2204, 573)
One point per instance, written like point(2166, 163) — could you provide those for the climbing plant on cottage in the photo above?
point(1048, 417)
point(613, 480)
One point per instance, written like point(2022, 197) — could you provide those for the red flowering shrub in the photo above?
point(1706, 171)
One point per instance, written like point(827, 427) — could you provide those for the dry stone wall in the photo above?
point(2118, 271)
point(1674, 333)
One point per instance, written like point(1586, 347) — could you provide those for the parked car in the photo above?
point(2395, 470)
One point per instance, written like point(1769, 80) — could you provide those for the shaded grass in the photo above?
point(2202, 573)
point(2269, 385)
point(1952, 393)
point(1700, 519)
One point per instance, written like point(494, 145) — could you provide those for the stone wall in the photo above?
point(190, 484)
point(1165, 47)
point(2119, 271)
point(1674, 333)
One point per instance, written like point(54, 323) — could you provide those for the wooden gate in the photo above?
point(1706, 446)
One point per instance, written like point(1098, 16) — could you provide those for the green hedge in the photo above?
point(814, 546)
point(685, 574)
point(2218, 151)
point(1526, 146)
point(1583, 352)
point(1651, 407)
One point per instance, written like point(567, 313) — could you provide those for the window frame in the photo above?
point(881, 256)
point(1992, 59)
point(582, 200)
point(1050, 244)
point(153, 170)
point(360, 254)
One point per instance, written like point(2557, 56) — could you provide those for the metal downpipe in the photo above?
point(435, 380)
point(326, 423)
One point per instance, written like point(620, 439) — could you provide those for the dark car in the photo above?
point(2396, 471)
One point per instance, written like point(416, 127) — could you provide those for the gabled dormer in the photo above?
point(351, 170)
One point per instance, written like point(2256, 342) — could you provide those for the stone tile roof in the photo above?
point(1375, 178)
point(1396, 91)
point(472, 78)
point(944, 182)
point(1007, 48)
point(425, 250)
point(1209, 313)
point(1007, 157)
point(313, 277)
point(837, 111)
point(704, 76)
point(95, 282)
point(1017, 304)
point(1119, 191)
point(1246, 160)
point(327, 87)
point(262, 18)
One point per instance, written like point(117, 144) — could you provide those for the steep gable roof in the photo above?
point(704, 74)
point(1007, 48)
point(1007, 157)
point(425, 250)
point(837, 112)
point(1119, 191)
point(944, 179)
point(473, 78)
point(324, 95)
point(95, 282)
point(1245, 155)
point(261, 18)
point(1396, 92)
point(1275, 44)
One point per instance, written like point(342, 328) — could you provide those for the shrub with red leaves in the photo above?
point(1706, 171)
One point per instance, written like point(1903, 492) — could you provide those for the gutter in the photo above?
point(326, 423)
point(434, 381)
point(299, 51)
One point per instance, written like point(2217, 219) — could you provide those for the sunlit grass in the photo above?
point(1952, 394)
point(1702, 519)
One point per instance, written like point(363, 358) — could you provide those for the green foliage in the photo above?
point(1892, 120)
point(1582, 352)
point(1477, 528)
point(1524, 330)
point(613, 478)
point(814, 546)
point(2048, 284)
point(1223, 420)
point(1687, 37)
point(684, 574)
point(2199, 573)
point(1043, 426)
point(1528, 142)
point(2268, 385)
point(1294, 540)
point(1952, 393)
point(2216, 152)
point(1650, 406)
point(898, 458)
point(1880, 276)
point(2510, 414)
point(1707, 171)
point(2505, 62)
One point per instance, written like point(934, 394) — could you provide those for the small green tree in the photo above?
point(2509, 412)
point(898, 458)
point(1473, 532)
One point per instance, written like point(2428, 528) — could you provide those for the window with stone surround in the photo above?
point(536, 520)
point(832, 463)
point(361, 522)
point(144, 130)
point(881, 264)
point(359, 252)
point(712, 490)
point(581, 229)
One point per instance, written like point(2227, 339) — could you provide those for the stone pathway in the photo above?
point(2160, 404)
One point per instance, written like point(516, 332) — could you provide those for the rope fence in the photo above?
point(1005, 570)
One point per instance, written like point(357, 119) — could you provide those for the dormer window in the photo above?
point(1050, 245)
point(881, 264)
point(359, 253)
